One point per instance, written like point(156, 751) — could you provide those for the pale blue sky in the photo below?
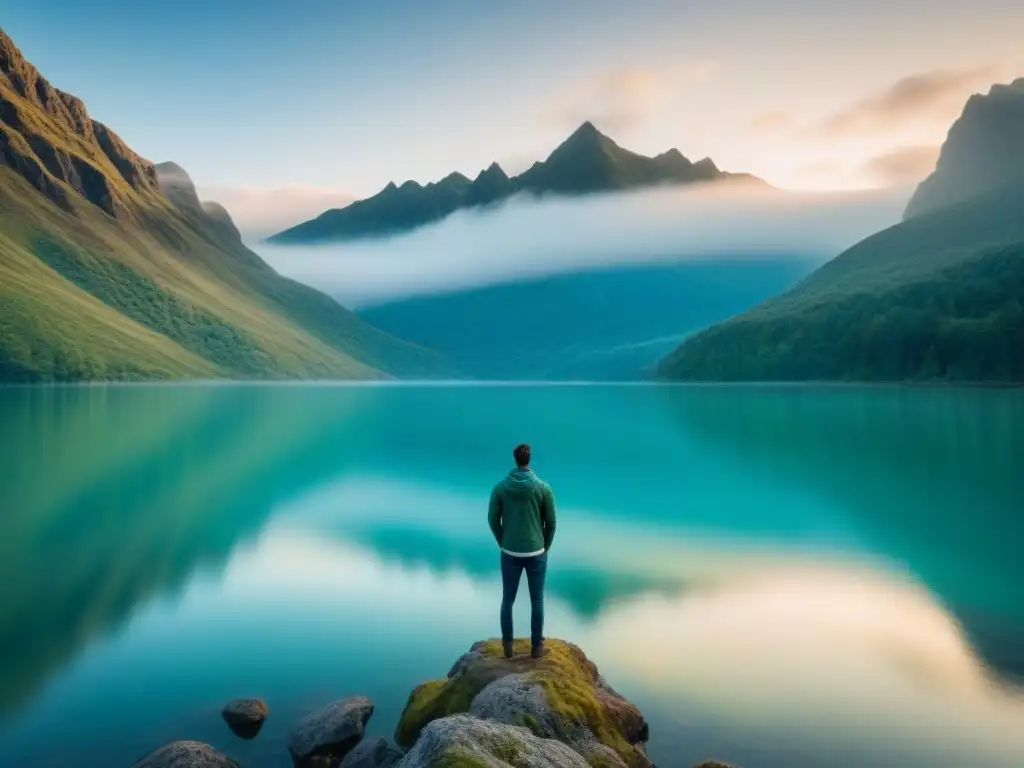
point(347, 95)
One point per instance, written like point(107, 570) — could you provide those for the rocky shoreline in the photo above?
point(488, 712)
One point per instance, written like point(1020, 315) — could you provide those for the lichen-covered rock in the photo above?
point(559, 696)
point(375, 753)
point(325, 737)
point(186, 754)
point(464, 741)
point(521, 700)
point(245, 716)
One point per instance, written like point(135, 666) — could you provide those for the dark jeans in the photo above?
point(511, 573)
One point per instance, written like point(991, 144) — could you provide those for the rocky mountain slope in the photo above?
point(937, 297)
point(111, 268)
point(984, 151)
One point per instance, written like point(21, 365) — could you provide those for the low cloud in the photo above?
point(928, 98)
point(526, 237)
point(262, 211)
point(621, 99)
point(904, 165)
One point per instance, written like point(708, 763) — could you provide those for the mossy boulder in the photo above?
point(186, 754)
point(560, 696)
point(464, 741)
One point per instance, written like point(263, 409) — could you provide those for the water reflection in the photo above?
point(826, 655)
point(836, 656)
point(420, 525)
point(801, 567)
point(111, 496)
point(932, 478)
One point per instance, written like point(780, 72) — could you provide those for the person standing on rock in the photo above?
point(522, 519)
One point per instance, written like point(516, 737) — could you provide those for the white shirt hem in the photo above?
point(523, 554)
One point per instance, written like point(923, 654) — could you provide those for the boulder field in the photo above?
point(557, 711)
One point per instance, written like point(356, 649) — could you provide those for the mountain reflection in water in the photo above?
point(777, 575)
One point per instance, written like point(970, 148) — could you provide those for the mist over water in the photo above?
point(528, 237)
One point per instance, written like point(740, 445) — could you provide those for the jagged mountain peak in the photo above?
point(983, 151)
point(455, 179)
point(490, 185)
point(492, 172)
point(584, 140)
point(587, 161)
point(50, 141)
point(587, 130)
point(675, 160)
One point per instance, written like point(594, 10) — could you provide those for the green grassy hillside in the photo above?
point(964, 323)
point(107, 272)
point(936, 297)
point(52, 330)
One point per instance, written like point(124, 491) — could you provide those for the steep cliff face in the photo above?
point(112, 268)
point(49, 137)
point(984, 151)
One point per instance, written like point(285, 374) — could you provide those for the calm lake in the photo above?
point(777, 576)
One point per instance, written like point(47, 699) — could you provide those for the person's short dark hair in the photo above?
point(522, 455)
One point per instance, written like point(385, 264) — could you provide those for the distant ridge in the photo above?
point(586, 162)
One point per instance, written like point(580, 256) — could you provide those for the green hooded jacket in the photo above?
point(522, 512)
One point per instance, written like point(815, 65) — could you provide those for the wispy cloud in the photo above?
point(929, 98)
point(262, 211)
point(621, 99)
point(901, 166)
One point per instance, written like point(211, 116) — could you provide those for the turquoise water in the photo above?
point(777, 576)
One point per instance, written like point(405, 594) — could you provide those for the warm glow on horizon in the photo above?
point(838, 99)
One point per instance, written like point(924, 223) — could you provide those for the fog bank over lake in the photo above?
point(528, 237)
